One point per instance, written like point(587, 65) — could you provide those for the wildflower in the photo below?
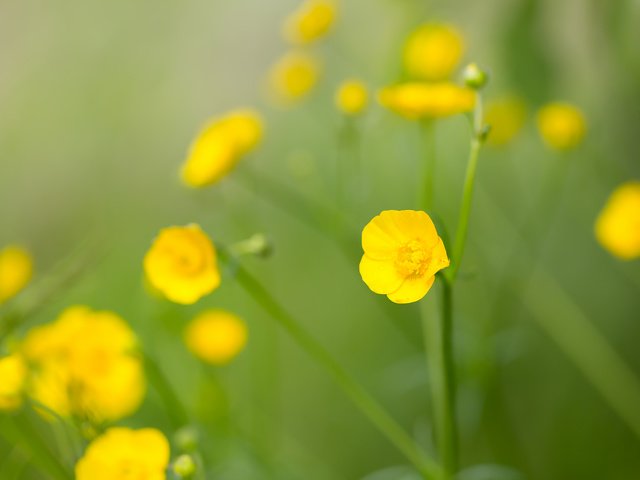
point(182, 264)
point(216, 336)
point(618, 225)
point(293, 76)
point(84, 365)
point(311, 21)
point(351, 97)
point(402, 254)
point(425, 100)
point(561, 125)
point(433, 51)
point(123, 454)
point(220, 145)
point(16, 269)
point(506, 116)
point(13, 373)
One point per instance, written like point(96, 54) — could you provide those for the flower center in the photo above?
point(412, 259)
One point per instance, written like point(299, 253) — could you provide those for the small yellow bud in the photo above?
point(184, 466)
point(474, 77)
point(216, 336)
point(351, 97)
point(310, 22)
point(293, 76)
point(562, 126)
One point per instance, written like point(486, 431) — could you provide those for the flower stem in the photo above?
point(362, 400)
point(439, 348)
point(467, 192)
point(426, 200)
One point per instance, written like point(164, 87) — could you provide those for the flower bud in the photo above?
point(474, 77)
point(186, 439)
point(184, 466)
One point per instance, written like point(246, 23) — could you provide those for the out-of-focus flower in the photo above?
point(402, 254)
point(506, 117)
point(293, 76)
point(351, 97)
point(85, 365)
point(216, 336)
point(16, 269)
point(433, 51)
point(125, 454)
point(220, 145)
point(562, 126)
point(182, 264)
point(184, 466)
point(618, 225)
point(418, 100)
point(311, 21)
point(13, 373)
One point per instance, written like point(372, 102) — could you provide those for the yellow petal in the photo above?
point(412, 289)
point(439, 259)
point(380, 276)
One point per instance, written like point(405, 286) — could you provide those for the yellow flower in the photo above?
point(293, 76)
point(618, 225)
point(13, 373)
point(220, 145)
point(216, 336)
point(506, 116)
point(311, 21)
point(125, 454)
point(351, 97)
point(562, 126)
point(16, 269)
point(84, 365)
point(182, 264)
point(427, 100)
point(402, 254)
point(433, 51)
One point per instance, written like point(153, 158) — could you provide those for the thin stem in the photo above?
point(439, 348)
point(362, 400)
point(429, 170)
point(467, 192)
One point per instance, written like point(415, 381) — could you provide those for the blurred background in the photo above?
point(99, 102)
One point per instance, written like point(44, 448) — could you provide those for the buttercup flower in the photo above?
point(562, 126)
point(182, 264)
point(506, 116)
point(311, 21)
point(618, 225)
point(84, 364)
point(125, 454)
point(16, 269)
point(220, 145)
point(427, 100)
point(13, 373)
point(216, 336)
point(402, 254)
point(351, 97)
point(293, 76)
point(433, 51)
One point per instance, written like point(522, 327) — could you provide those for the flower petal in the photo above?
point(412, 289)
point(439, 259)
point(380, 276)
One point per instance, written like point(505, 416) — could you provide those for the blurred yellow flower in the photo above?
point(182, 264)
point(293, 76)
point(561, 125)
point(16, 269)
point(311, 21)
point(220, 145)
point(506, 117)
point(216, 336)
point(402, 254)
point(84, 364)
point(351, 97)
point(125, 454)
point(13, 373)
point(418, 100)
point(618, 225)
point(433, 51)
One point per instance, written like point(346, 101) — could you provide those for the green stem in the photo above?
point(365, 403)
point(429, 171)
point(439, 348)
